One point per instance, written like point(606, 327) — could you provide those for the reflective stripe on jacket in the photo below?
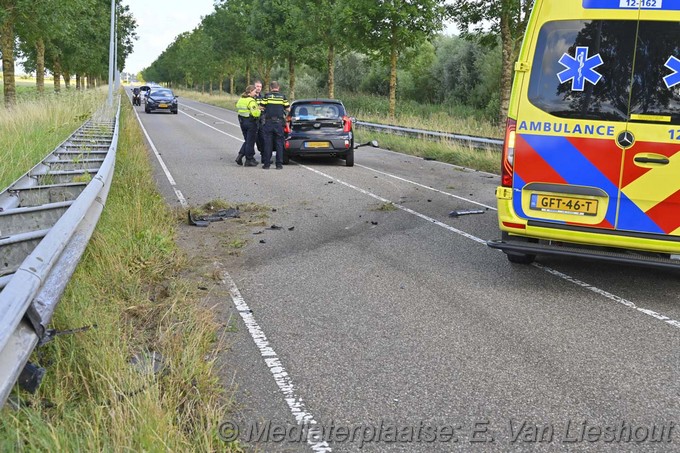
point(247, 107)
point(275, 104)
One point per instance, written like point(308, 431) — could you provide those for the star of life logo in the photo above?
point(580, 68)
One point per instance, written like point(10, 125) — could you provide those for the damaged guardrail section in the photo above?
point(46, 220)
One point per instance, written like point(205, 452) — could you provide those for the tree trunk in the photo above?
point(40, 66)
point(247, 75)
point(231, 84)
point(221, 83)
point(7, 49)
point(507, 66)
point(57, 75)
point(291, 78)
point(67, 79)
point(331, 71)
point(393, 75)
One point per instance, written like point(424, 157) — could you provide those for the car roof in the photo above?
point(320, 100)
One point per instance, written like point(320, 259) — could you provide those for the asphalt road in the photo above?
point(404, 318)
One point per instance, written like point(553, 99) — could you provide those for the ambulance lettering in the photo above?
point(566, 128)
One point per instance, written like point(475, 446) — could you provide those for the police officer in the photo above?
point(260, 124)
point(275, 106)
point(248, 115)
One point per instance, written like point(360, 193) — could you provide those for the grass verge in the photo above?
point(444, 151)
point(33, 128)
point(93, 398)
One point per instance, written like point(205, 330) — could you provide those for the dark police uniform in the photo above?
point(275, 106)
point(260, 128)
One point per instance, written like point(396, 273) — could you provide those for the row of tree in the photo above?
point(254, 37)
point(65, 37)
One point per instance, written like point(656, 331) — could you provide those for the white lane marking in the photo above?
point(609, 295)
point(397, 205)
point(213, 116)
point(427, 187)
point(212, 127)
point(273, 362)
point(171, 180)
point(554, 272)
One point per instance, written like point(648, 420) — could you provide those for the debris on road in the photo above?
point(462, 212)
point(262, 241)
point(205, 219)
point(275, 227)
point(429, 158)
point(291, 228)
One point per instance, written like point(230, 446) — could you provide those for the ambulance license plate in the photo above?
point(563, 205)
point(163, 106)
point(316, 145)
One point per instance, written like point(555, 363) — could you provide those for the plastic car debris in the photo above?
point(462, 212)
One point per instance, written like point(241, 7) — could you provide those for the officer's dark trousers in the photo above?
point(249, 130)
point(273, 139)
point(260, 138)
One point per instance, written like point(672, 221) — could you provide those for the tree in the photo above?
point(386, 28)
point(492, 18)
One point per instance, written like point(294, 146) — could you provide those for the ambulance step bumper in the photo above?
point(628, 257)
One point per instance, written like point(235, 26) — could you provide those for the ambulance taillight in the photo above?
point(508, 153)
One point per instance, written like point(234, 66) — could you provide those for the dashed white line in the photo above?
point(273, 362)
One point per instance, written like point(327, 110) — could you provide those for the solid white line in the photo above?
point(211, 127)
point(554, 272)
point(427, 187)
point(397, 205)
point(171, 180)
point(273, 362)
point(213, 116)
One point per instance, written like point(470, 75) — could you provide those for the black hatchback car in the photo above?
point(319, 127)
point(161, 99)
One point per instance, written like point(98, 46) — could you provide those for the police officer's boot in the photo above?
point(239, 159)
point(251, 162)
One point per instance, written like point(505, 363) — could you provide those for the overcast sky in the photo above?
point(159, 22)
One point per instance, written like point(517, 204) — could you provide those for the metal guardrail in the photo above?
point(46, 220)
point(477, 142)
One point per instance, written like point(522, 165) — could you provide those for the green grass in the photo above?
point(128, 284)
point(33, 128)
point(374, 109)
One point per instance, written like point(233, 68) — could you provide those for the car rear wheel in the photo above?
point(349, 158)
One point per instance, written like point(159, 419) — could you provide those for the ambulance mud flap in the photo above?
point(519, 248)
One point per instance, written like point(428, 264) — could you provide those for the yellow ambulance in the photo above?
point(591, 160)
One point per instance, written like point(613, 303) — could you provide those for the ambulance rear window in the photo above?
point(598, 70)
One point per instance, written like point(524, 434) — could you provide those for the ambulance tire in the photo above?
point(520, 258)
point(516, 257)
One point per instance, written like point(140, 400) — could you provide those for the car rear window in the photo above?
point(317, 110)
point(632, 72)
point(161, 93)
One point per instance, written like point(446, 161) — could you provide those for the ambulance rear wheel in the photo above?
point(520, 258)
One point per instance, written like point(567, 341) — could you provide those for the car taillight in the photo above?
point(286, 127)
point(346, 124)
point(508, 159)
